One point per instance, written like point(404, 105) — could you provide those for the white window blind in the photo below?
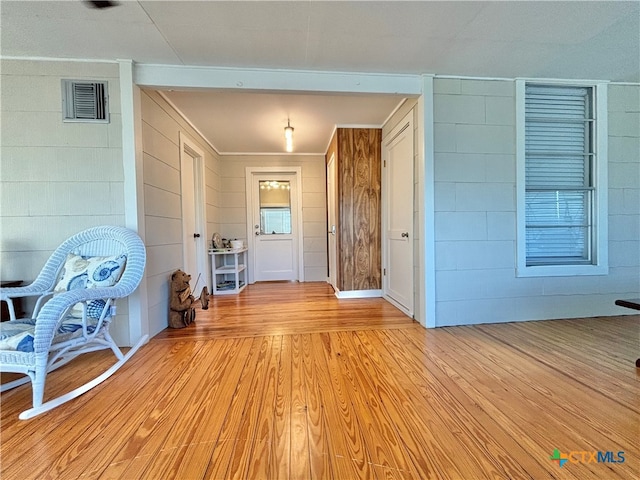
point(559, 159)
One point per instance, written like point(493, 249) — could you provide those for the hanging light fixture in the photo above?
point(288, 137)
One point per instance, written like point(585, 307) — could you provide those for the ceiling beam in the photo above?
point(192, 77)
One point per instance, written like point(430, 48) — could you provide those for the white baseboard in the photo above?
point(359, 294)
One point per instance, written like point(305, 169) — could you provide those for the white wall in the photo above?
point(57, 178)
point(475, 218)
point(624, 192)
point(233, 208)
point(161, 127)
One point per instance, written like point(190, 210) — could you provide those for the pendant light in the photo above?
point(288, 137)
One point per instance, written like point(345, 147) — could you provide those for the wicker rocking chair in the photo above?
point(75, 294)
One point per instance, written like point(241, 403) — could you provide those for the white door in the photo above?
point(274, 230)
point(398, 215)
point(331, 216)
point(193, 223)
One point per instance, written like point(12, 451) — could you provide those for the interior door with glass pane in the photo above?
point(275, 239)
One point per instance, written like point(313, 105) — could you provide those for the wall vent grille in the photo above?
point(85, 101)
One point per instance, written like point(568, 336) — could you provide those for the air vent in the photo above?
point(84, 101)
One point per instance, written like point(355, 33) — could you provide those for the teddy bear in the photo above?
point(181, 302)
point(181, 311)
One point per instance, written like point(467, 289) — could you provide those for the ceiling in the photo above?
point(581, 40)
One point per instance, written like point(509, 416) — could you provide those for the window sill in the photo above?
point(561, 270)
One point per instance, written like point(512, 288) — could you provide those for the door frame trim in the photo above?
point(297, 172)
point(189, 150)
point(402, 125)
point(332, 202)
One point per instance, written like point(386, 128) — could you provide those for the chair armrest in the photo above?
point(8, 294)
point(32, 290)
point(56, 307)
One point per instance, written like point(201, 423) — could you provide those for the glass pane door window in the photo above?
point(275, 207)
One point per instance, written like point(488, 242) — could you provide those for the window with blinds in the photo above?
point(559, 174)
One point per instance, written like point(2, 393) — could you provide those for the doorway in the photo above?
point(193, 220)
point(397, 217)
point(274, 224)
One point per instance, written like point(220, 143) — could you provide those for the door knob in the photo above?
point(405, 235)
point(257, 233)
point(196, 235)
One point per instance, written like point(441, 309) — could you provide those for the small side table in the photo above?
point(228, 270)
point(633, 303)
point(17, 302)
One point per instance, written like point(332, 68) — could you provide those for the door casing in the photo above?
point(405, 127)
point(332, 217)
point(193, 200)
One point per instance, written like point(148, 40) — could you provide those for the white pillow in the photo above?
point(89, 272)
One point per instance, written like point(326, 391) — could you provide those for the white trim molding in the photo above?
point(255, 79)
point(132, 162)
point(191, 152)
point(426, 314)
point(358, 293)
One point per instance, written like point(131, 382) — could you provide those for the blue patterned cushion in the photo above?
point(18, 334)
point(90, 272)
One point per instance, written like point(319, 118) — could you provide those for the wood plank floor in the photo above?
point(285, 381)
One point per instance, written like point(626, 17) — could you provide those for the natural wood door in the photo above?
point(398, 218)
point(359, 234)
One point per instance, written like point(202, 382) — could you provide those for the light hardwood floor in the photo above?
point(286, 382)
